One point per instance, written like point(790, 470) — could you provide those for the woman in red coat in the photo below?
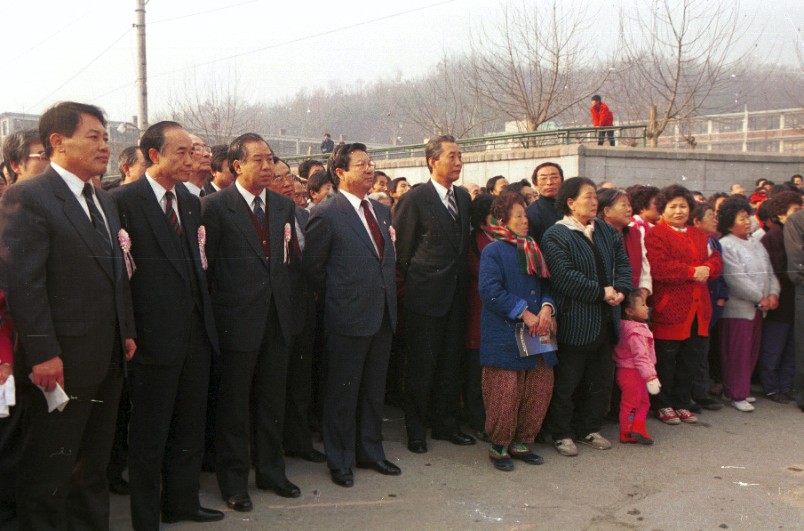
point(681, 264)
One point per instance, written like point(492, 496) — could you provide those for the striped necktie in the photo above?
point(259, 213)
point(170, 212)
point(451, 205)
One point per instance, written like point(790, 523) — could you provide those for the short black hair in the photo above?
point(491, 183)
point(63, 118)
point(668, 193)
point(394, 183)
point(630, 299)
point(317, 180)
point(728, 213)
point(545, 165)
point(606, 197)
point(17, 147)
point(700, 211)
point(434, 148)
point(127, 157)
point(571, 189)
point(306, 165)
point(479, 210)
point(218, 159)
point(237, 148)
point(154, 138)
point(779, 204)
point(379, 173)
point(341, 158)
point(597, 97)
point(641, 196)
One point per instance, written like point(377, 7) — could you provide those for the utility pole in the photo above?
point(142, 71)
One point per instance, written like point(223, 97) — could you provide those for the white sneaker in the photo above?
point(596, 441)
point(742, 405)
point(566, 447)
point(750, 399)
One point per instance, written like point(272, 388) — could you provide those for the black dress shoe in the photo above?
point(284, 488)
point(120, 486)
point(240, 503)
point(201, 515)
point(313, 455)
point(458, 438)
point(417, 446)
point(342, 477)
point(383, 467)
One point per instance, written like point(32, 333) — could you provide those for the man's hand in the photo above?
point(49, 373)
point(131, 348)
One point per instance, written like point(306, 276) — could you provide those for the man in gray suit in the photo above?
point(67, 288)
point(350, 252)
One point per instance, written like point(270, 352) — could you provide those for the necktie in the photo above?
point(259, 213)
point(451, 205)
point(95, 215)
point(374, 228)
point(170, 212)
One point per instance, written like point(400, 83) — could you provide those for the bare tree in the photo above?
point(213, 108)
point(528, 67)
point(678, 53)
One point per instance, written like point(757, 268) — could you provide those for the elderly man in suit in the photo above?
point(67, 288)
point(432, 226)
point(250, 242)
point(350, 251)
point(173, 312)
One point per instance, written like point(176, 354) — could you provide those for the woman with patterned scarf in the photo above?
point(513, 288)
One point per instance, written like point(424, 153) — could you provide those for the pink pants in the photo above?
point(635, 403)
point(740, 340)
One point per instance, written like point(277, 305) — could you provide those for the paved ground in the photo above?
point(733, 470)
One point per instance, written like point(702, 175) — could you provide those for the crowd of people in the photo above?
point(212, 312)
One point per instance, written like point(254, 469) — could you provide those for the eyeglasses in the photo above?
point(363, 164)
point(41, 156)
point(300, 195)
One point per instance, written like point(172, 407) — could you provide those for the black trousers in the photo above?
point(678, 364)
point(167, 432)
point(10, 451)
point(299, 398)
point(432, 371)
point(472, 392)
point(61, 481)
point(119, 459)
point(255, 378)
point(354, 395)
point(601, 135)
point(584, 377)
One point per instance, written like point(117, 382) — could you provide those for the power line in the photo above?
point(83, 68)
point(46, 39)
point(201, 12)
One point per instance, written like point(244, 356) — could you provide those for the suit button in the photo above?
point(533, 292)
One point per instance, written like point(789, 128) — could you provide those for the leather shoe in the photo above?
point(458, 438)
point(120, 486)
point(342, 477)
point(284, 488)
point(240, 503)
point(201, 515)
point(384, 467)
point(417, 446)
point(312, 455)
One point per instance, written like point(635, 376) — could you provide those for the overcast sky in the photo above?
point(84, 49)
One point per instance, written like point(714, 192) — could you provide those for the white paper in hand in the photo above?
point(56, 399)
point(8, 396)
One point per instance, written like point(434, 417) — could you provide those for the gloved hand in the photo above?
point(653, 386)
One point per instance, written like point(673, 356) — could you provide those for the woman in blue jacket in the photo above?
point(513, 288)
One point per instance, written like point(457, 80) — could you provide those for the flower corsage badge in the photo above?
point(287, 242)
point(202, 243)
point(125, 245)
point(392, 232)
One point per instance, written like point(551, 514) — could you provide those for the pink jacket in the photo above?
point(635, 349)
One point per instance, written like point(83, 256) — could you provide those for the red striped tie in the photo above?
point(170, 212)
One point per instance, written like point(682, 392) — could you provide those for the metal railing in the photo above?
point(630, 135)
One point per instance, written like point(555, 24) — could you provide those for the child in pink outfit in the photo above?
point(635, 358)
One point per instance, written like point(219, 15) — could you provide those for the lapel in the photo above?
point(163, 233)
point(351, 218)
point(278, 215)
point(113, 219)
point(441, 214)
point(240, 218)
point(385, 227)
point(80, 221)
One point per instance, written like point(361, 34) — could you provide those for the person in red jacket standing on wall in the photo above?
point(602, 117)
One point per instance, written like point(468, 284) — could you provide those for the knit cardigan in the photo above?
point(574, 282)
point(749, 274)
point(677, 299)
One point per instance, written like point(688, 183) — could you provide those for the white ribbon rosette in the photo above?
point(125, 245)
point(202, 242)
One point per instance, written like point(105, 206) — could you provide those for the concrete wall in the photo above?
point(707, 171)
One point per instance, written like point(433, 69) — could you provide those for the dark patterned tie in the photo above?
point(259, 213)
point(451, 205)
point(170, 212)
point(95, 215)
point(374, 228)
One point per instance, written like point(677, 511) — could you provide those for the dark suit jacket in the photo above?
point(161, 289)
point(342, 262)
point(432, 261)
point(208, 188)
point(69, 296)
point(242, 283)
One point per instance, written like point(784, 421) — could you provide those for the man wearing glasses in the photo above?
point(547, 179)
point(25, 154)
point(202, 167)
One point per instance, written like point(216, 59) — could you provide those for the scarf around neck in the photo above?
point(528, 255)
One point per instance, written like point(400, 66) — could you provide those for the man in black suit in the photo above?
point(543, 214)
point(432, 226)
point(351, 260)
point(250, 245)
point(67, 288)
point(173, 312)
